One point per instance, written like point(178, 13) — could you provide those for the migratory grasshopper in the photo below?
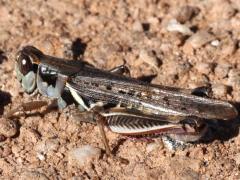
point(126, 105)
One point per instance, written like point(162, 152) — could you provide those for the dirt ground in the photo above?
point(187, 44)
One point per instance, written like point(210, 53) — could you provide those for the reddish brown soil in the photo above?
point(106, 34)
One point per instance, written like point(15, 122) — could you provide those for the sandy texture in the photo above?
point(179, 43)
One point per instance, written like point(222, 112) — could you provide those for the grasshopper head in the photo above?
point(27, 61)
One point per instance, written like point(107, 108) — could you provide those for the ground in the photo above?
point(183, 44)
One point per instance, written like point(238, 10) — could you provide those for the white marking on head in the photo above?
point(24, 62)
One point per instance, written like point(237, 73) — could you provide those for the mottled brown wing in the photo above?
point(150, 99)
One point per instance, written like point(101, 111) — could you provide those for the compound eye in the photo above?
point(25, 64)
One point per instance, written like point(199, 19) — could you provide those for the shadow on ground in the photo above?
point(78, 48)
point(223, 130)
point(5, 98)
point(2, 56)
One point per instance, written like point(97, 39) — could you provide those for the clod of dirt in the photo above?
point(83, 156)
point(219, 90)
point(149, 58)
point(186, 13)
point(221, 70)
point(199, 39)
point(237, 158)
point(4, 165)
point(204, 68)
point(29, 135)
point(152, 147)
point(175, 26)
point(4, 35)
point(137, 26)
point(234, 78)
point(8, 128)
point(44, 147)
point(228, 47)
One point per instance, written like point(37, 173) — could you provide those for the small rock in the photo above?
point(16, 150)
point(177, 39)
point(8, 128)
point(237, 158)
point(199, 39)
point(33, 175)
point(4, 35)
point(152, 146)
point(215, 43)
point(219, 90)
point(84, 155)
point(6, 151)
point(137, 26)
point(222, 70)
point(176, 67)
point(234, 78)
point(188, 173)
point(175, 26)
point(228, 47)
point(153, 21)
point(47, 145)
point(41, 156)
point(199, 80)
point(186, 13)
point(229, 164)
point(149, 58)
point(204, 68)
point(5, 166)
point(224, 10)
point(196, 152)
point(29, 135)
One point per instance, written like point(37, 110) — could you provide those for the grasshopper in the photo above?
point(126, 105)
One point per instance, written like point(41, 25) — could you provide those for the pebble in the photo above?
point(153, 21)
point(6, 151)
point(4, 36)
point(41, 156)
point(33, 175)
point(152, 146)
point(29, 135)
point(234, 78)
point(83, 156)
point(137, 26)
point(175, 26)
point(219, 90)
point(4, 165)
point(229, 46)
point(215, 43)
point(199, 39)
point(236, 96)
point(186, 13)
point(204, 68)
point(149, 58)
point(198, 80)
point(237, 158)
point(190, 174)
point(16, 150)
point(221, 70)
point(47, 145)
point(8, 128)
